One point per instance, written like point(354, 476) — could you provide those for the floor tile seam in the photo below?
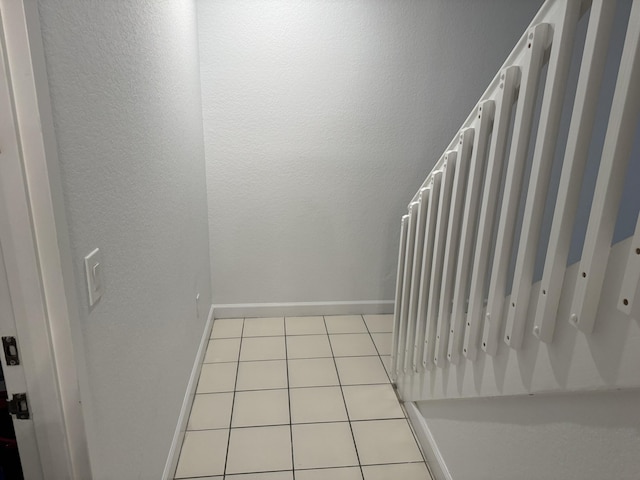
point(336, 356)
point(344, 400)
point(417, 462)
point(377, 350)
point(360, 332)
point(233, 404)
point(303, 386)
point(263, 336)
point(283, 424)
point(286, 353)
point(304, 469)
point(312, 335)
point(314, 468)
point(294, 358)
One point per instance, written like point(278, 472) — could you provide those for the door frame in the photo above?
point(39, 264)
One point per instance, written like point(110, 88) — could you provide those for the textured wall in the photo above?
point(584, 436)
point(321, 120)
point(126, 101)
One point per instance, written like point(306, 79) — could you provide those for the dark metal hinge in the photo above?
point(18, 406)
point(10, 351)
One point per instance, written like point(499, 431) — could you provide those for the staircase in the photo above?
point(519, 258)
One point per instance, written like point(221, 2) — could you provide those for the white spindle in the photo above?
point(536, 42)
point(425, 271)
point(615, 157)
point(406, 283)
point(448, 174)
point(509, 81)
point(421, 214)
point(465, 148)
point(467, 237)
point(575, 158)
point(398, 303)
point(543, 156)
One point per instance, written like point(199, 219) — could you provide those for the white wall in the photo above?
point(127, 114)
point(321, 120)
point(588, 436)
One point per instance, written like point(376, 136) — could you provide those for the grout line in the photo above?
point(295, 388)
point(231, 475)
point(295, 335)
point(233, 404)
point(363, 420)
point(379, 355)
point(301, 387)
point(286, 354)
point(353, 437)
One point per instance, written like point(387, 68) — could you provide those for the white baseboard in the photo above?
point(430, 449)
point(235, 310)
point(185, 410)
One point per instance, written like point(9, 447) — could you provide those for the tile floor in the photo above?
point(299, 398)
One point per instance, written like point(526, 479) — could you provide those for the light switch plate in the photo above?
point(93, 269)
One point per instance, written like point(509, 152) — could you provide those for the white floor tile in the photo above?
point(385, 441)
point(222, 350)
point(261, 449)
point(379, 323)
point(217, 377)
point(308, 346)
point(305, 325)
point(227, 328)
point(320, 404)
point(261, 407)
point(262, 348)
point(404, 471)
point(262, 476)
point(352, 345)
point(312, 372)
point(361, 370)
point(203, 453)
point(345, 324)
point(263, 327)
point(344, 473)
point(383, 342)
point(211, 410)
point(262, 375)
point(323, 445)
point(372, 402)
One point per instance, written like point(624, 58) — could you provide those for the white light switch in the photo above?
point(93, 269)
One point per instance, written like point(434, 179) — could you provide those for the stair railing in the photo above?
point(476, 221)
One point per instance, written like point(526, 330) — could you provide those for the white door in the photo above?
point(10, 292)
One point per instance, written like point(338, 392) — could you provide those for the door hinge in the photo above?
point(18, 406)
point(10, 348)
